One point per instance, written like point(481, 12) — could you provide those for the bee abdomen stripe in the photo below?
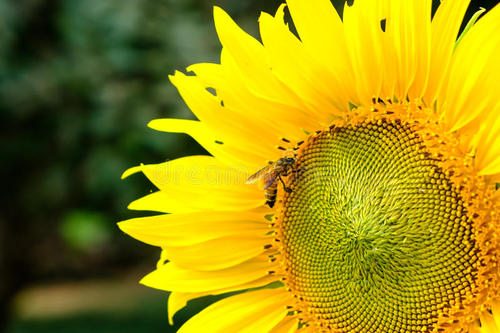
point(271, 195)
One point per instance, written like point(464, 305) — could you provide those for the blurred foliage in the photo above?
point(85, 231)
point(79, 81)
point(147, 316)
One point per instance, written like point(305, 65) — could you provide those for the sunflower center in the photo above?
point(375, 237)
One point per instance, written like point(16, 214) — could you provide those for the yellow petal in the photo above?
point(194, 171)
point(158, 202)
point(472, 88)
point(495, 308)
point(409, 27)
point(173, 278)
point(178, 300)
point(187, 202)
point(313, 83)
point(445, 26)
point(487, 143)
point(470, 24)
point(270, 119)
point(488, 323)
point(197, 183)
point(288, 325)
point(214, 254)
point(318, 25)
point(232, 128)
point(365, 44)
point(252, 61)
point(208, 139)
point(194, 228)
point(322, 34)
point(256, 311)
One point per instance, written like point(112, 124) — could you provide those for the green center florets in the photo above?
point(375, 237)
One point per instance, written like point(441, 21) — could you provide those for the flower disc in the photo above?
point(376, 238)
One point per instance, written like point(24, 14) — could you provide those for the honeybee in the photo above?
point(269, 174)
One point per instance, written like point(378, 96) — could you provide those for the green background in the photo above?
point(79, 81)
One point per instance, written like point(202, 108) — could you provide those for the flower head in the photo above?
point(375, 142)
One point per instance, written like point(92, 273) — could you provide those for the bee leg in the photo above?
point(287, 189)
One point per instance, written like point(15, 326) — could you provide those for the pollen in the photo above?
point(376, 237)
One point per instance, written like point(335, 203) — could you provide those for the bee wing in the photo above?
point(269, 179)
point(259, 174)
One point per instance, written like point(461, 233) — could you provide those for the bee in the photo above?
point(269, 174)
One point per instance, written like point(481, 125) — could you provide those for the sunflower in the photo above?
point(377, 140)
